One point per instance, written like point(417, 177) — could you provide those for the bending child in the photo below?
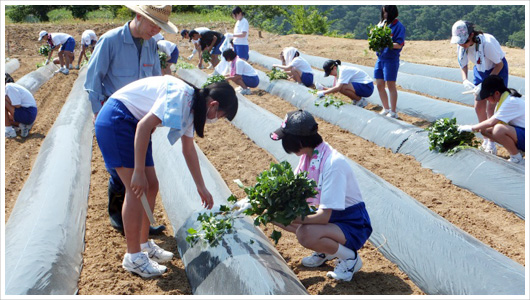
point(296, 67)
point(240, 72)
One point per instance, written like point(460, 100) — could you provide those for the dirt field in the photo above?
point(102, 273)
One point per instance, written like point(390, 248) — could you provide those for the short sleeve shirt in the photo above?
point(302, 65)
point(353, 74)
point(512, 111)
point(207, 39)
point(241, 26)
point(493, 53)
point(244, 68)
point(59, 38)
point(87, 37)
point(166, 46)
point(19, 95)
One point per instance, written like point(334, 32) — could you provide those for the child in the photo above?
point(172, 52)
point(209, 41)
point(387, 64)
point(123, 131)
point(240, 36)
point(341, 225)
point(485, 52)
point(240, 72)
point(349, 81)
point(296, 67)
point(506, 126)
point(188, 35)
point(66, 53)
point(88, 39)
point(20, 109)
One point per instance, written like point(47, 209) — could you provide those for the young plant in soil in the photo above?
point(444, 137)
point(276, 74)
point(213, 79)
point(181, 64)
point(327, 100)
point(163, 59)
point(379, 38)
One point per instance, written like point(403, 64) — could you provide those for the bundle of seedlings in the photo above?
point(379, 38)
point(163, 59)
point(276, 74)
point(444, 137)
point(44, 50)
point(206, 57)
point(213, 79)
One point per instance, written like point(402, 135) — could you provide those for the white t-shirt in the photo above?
point(149, 95)
point(59, 38)
point(340, 188)
point(87, 37)
point(301, 64)
point(19, 95)
point(243, 68)
point(166, 46)
point(493, 53)
point(512, 111)
point(241, 26)
point(352, 74)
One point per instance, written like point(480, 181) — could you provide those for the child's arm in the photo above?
point(320, 217)
point(192, 160)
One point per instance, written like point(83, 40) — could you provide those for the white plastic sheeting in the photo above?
point(411, 104)
point(34, 80)
point(440, 258)
point(12, 65)
point(44, 236)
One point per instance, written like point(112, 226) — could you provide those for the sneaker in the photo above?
point(10, 132)
point(346, 268)
point(60, 70)
point(361, 103)
point(316, 259)
point(384, 112)
point(156, 253)
point(142, 266)
point(392, 114)
point(491, 148)
point(245, 91)
point(24, 129)
point(238, 89)
point(319, 86)
point(77, 67)
point(65, 71)
point(517, 161)
point(71, 67)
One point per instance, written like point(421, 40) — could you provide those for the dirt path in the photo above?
point(236, 156)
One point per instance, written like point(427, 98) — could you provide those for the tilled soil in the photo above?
point(235, 156)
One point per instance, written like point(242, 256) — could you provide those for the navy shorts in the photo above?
point(25, 115)
point(250, 81)
point(520, 137)
point(363, 89)
point(307, 79)
point(174, 56)
point(478, 76)
point(386, 69)
point(241, 51)
point(69, 45)
point(115, 130)
point(216, 49)
point(354, 223)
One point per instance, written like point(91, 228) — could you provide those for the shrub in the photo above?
point(60, 15)
point(99, 15)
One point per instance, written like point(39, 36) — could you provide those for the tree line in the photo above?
point(423, 22)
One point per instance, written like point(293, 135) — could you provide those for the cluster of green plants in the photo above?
point(213, 226)
point(206, 56)
point(276, 74)
point(163, 59)
point(213, 79)
point(44, 50)
point(327, 100)
point(85, 61)
point(379, 38)
point(444, 137)
point(182, 64)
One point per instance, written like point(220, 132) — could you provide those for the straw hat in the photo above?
point(158, 14)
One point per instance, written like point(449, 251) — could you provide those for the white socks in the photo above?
point(345, 253)
point(145, 245)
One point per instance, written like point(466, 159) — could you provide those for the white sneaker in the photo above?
point(65, 71)
point(60, 70)
point(517, 161)
point(491, 148)
point(319, 86)
point(156, 253)
point(384, 111)
point(346, 268)
point(142, 266)
point(245, 91)
point(392, 114)
point(10, 132)
point(361, 103)
point(24, 129)
point(316, 259)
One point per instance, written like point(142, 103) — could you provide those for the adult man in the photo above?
point(121, 56)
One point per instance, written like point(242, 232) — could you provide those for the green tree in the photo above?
point(80, 11)
point(308, 20)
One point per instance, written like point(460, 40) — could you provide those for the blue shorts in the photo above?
point(69, 45)
point(216, 49)
point(478, 76)
point(307, 79)
point(520, 137)
point(354, 223)
point(25, 115)
point(174, 56)
point(250, 81)
point(363, 89)
point(115, 130)
point(241, 51)
point(386, 69)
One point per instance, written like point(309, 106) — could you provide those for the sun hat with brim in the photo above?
point(42, 34)
point(490, 85)
point(158, 14)
point(460, 32)
point(299, 123)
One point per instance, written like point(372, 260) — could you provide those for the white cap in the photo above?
point(42, 34)
point(459, 32)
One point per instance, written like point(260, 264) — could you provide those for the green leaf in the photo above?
point(276, 235)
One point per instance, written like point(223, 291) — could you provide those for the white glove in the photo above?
point(468, 84)
point(319, 86)
point(465, 128)
point(241, 205)
point(46, 62)
point(228, 35)
point(190, 57)
point(477, 88)
point(320, 94)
